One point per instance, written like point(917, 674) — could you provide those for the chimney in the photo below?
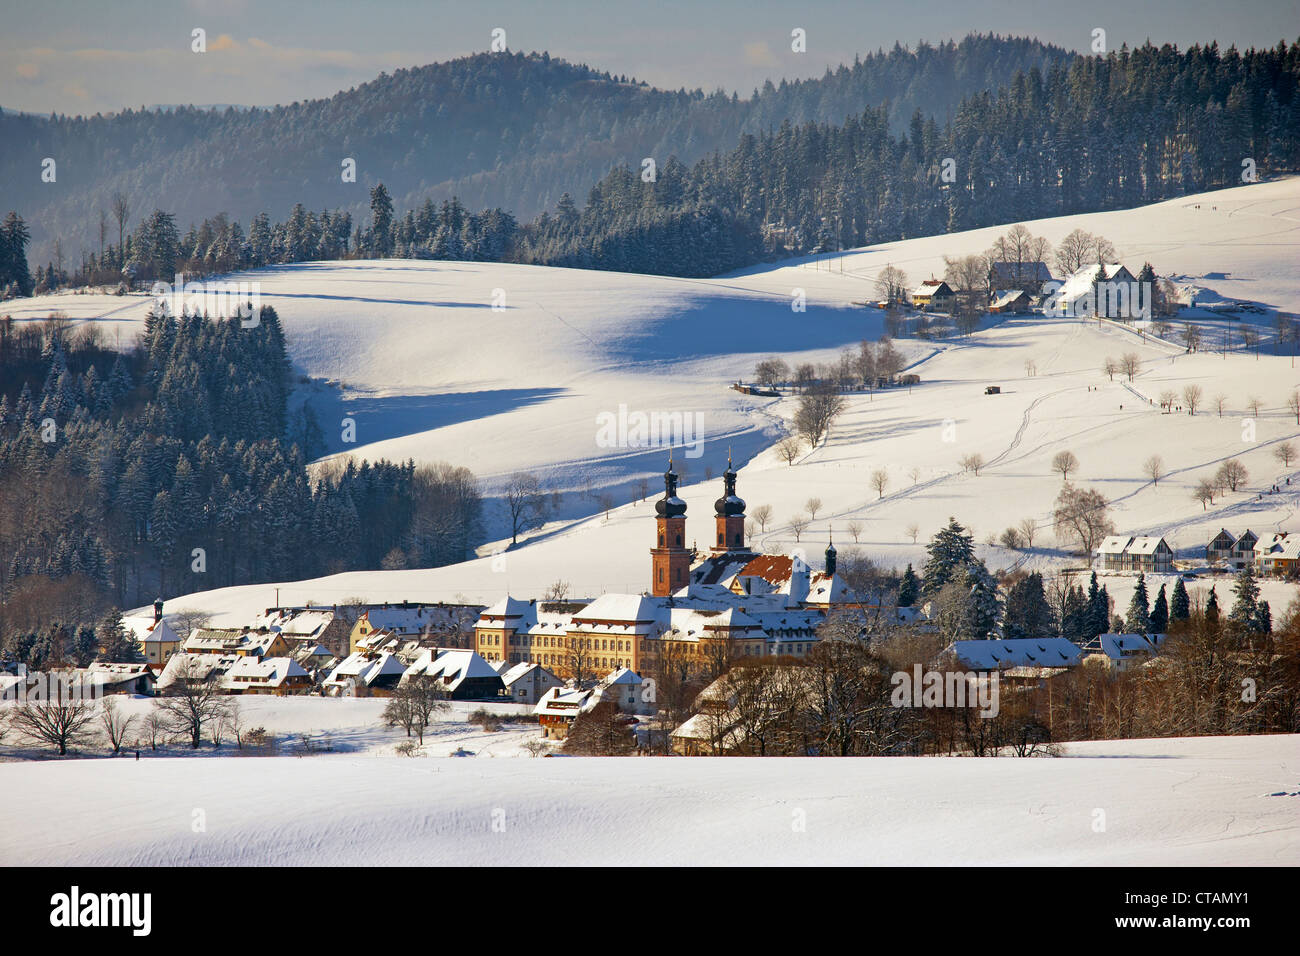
point(157, 609)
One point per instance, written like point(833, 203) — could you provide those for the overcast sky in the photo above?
point(78, 56)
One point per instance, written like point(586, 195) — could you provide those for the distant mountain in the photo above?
point(509, 130)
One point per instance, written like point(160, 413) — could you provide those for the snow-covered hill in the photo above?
point(1208, 801)
point(430, 370)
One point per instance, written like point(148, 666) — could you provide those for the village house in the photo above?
point(997, 655)
point(461, 675)
point(526, 683)
point(110, 678)
point(326, 626)
point(1027, 277)
point(1108, 290)
point(439, 623)
point(1009, 302)
point(1125, 651)
point(559, 708)
point(268, 675)
point(1278, 553)
point(933, 295)
point(1148, 554)
point(365, 674)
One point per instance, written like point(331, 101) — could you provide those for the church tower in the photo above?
point(830, 556)
point(671, 559)
point(729, 515)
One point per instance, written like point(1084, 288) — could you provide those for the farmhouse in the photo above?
point(119, 678)
point(933, 294)
point(365, 674)
point(1009, 301)
point(1100, 289)
point(559, 708)
point(1025, 276)
point(270, 675)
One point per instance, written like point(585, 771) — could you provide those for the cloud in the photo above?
point(28, 71)
point(223, 42)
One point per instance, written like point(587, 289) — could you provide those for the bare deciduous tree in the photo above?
point(63, 719)
point(1232, 474)
point(1028, 528)
point(1154, 468)
point(798, 525)
point(1204, 492)
point(1110, 367)
point(880, 481)
point(855, 529)
point(1129, 364)
point(525, 503)
point(789, 449)
point(1220, 402)
point(1082, 515)
point(191, 702)
point(913, 530)
point(1065, 462)
point(1167, 399)
point(762, 514)
point(1293, 404)
point(972, 462)
point(1192, 398)
point(812, 506)
point(116, 723)
point(1285, 453)
point(818, 408)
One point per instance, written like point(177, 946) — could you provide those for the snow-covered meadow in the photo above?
point(428, 369)
point(1207, 801)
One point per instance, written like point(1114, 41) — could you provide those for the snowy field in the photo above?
point(429, 370)
point(1208, 801)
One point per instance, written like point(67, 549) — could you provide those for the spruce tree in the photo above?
point(1138, 620)
point(1027, 612)
point(115, 644)
point(1212, 607)
point(1244, 608)
point(1180, 608)
point(908, 588)
point(1160, 613)
point(1263, 622)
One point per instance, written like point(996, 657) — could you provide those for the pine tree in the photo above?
point(951, 550)
point(908, 588)
point(1138, 620)
point(1160, 613)
point(1180, 608)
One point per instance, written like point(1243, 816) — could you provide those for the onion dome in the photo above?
point(670, 506)
point(729, 504)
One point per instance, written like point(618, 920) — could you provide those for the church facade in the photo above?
point(700, 610)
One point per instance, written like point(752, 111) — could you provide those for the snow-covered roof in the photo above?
point(1018, 652)
point(564, 702)
point(451, 667)
point(263, 672)
point(1117, 646)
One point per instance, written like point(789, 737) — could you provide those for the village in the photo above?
point(706, 624)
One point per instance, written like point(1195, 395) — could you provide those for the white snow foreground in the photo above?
point(1205, 801)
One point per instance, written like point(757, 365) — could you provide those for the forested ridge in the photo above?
point(506, 130)
point(1090, 134)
